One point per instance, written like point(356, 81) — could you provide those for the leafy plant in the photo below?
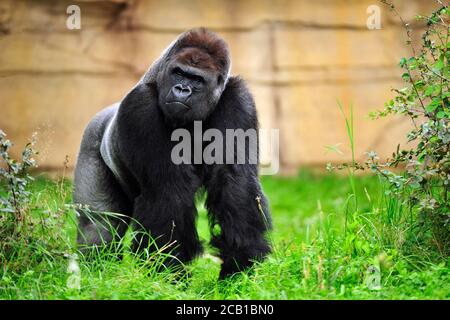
point(425, 182)
point(29, 232)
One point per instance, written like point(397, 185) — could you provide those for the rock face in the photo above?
point(299, 57)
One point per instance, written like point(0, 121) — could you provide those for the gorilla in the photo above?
point(125, 166)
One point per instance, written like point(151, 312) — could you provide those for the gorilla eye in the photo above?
point(219, 79)
point(198, 79)
point(193, 77)
point(178, 71)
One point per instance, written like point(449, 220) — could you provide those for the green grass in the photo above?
point(325, 244)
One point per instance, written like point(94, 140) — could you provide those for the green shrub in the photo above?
point(29, 232)
point(425, 181)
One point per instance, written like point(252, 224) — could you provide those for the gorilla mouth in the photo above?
point(176, 108)
point(178, 104)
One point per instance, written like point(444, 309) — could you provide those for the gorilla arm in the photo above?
point(235, 199)
point(164, 206)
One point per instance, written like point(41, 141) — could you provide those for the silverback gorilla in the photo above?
point(124, 164)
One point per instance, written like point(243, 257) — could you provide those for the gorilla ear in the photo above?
point(220, 80)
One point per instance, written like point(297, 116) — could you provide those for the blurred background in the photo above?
point(299, 58)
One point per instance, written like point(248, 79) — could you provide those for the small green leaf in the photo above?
point(434, 139)
point(439, 64)
point(432, 106)
point(402, 62)
point(440, 115)
point(429, 91)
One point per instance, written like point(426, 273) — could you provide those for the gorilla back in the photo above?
point(124, 164)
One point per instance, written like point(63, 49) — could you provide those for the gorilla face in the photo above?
point(188, 91)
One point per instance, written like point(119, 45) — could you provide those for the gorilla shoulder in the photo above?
point(93, 134)
point(236, 104)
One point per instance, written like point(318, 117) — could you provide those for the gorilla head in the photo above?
point(190, 76)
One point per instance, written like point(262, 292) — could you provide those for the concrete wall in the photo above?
point(298, 56)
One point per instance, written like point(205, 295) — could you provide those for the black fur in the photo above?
point(131, 172)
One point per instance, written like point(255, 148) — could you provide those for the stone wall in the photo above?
point(299, 57)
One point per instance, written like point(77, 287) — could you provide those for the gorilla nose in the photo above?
point(181, 92)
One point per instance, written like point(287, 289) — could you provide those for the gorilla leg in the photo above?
point(169, 219)
point(106, 216)
point(236, 202)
